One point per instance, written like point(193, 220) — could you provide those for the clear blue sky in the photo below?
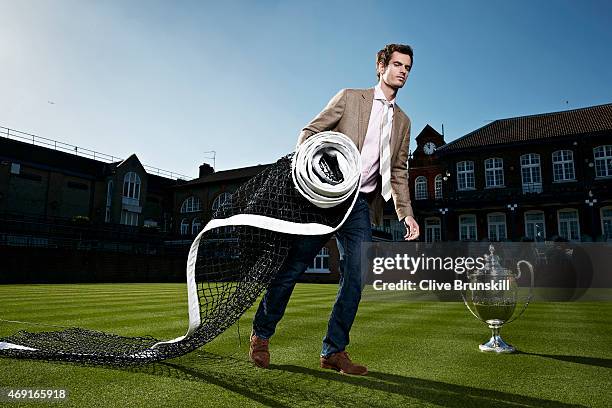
point(169, 80)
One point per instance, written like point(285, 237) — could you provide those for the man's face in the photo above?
point(396, 73)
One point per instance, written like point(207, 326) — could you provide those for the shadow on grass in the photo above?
point(592, 361)
point(435, 392)
point(288, 385)
point(274, 388)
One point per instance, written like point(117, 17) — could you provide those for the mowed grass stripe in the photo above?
point(76, 302)
point(64, 319)
point(161, 326)
point(80, 303)
point(85, 290)
point(85, 295)
point(95, 287)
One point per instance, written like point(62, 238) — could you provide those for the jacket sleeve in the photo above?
point(327, 119)
point(399, 179)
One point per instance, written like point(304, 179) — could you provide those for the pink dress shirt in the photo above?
point(370, 151)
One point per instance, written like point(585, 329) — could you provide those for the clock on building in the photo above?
point(429, 148)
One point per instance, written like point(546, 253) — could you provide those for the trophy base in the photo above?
point(496, 345)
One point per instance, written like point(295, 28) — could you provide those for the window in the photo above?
point(606, 222)
point(603, 161)
point(398, 230)
point(438, 187)
point(563, 165)
point(535, 226)
point(320, 263)
point(569, 227)
point(531, 174)
point(387, 225)
point(109, 193)
point(465, 175)
point(394, 227)
point(420, 188)
point(196, 225)
point(129, 218)
point(150, 223)
point(191, 204)
point(222, 200)
point(433, 231)
point(109, 200)
point(184, 226)
point(494, 172)
point(131, 185)
point(497, 226)
point(467, 228)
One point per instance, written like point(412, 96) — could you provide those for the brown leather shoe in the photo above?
point(342, 362)
point(258, 351)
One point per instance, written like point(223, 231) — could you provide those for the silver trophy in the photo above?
point(492, 294)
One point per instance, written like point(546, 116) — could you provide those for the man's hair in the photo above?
point(384, 55)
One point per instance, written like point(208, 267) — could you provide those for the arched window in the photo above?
point(535, 225)
point(438, 187)
point(494, 172)
point(131, 185)
point(569, 226)
point(497, 226)
point(320, 263)
point(433, 230)
point(191, 204)
point(196, 225)
point(603, 161)
point(221, 200)
point(467, 227)
point(465, 175)
point(420, 188)
point(184, 226)
point(563, 165)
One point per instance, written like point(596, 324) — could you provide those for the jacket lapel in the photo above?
point(365, 108)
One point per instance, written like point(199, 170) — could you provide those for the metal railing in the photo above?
point(79, 151)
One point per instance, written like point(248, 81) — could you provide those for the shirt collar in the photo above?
point(378, 94)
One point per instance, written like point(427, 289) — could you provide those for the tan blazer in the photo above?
point(349, 112)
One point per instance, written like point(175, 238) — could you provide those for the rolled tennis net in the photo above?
point(233, 259)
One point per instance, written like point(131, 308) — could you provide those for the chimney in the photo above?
point(206, 169)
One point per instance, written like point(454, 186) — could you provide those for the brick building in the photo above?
point(44, 183)
point(546, 176)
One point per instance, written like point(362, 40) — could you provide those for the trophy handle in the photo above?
point(464, 297)
point(530, 295)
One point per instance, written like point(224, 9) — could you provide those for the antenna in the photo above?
point(212, 155)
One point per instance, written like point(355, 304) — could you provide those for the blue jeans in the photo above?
point(355, 230)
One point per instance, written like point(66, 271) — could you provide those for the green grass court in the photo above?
point(418, 354)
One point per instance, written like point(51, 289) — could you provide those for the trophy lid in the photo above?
point(493, 265)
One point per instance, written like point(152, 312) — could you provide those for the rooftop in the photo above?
point(591, 119)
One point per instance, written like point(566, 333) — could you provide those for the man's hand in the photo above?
point(412, 228)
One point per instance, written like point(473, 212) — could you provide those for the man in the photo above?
point(381, 131)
